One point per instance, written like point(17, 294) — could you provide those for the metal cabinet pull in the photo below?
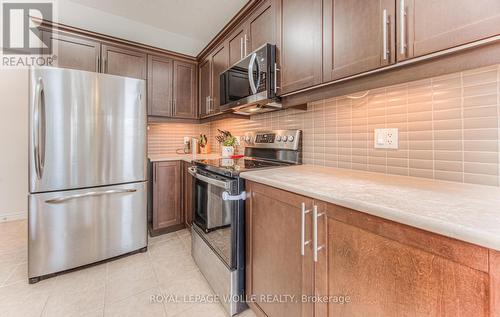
point(385, 23)
point(315, 233)
point(303, 241)
point(245, 45)
point(241, 48)
point(402, 14)
point(276, 70)
point(89, 194)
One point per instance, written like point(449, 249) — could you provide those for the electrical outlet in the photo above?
point(386, 138)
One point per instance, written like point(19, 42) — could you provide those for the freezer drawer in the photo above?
point(78, 227)
point(86, 130)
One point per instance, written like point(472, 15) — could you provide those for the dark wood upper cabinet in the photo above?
point(275, 265)
point(160, 86)
point(123, 61)
point(299, 43)
point(429, 26)
point(75, 52)
point(236, 44)
point(219, 63)
point(184, 88)
point(167, 182)
point(205, 87)
point(261, 26)
point(358, 36)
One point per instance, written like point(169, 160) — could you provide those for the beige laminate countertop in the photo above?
point(182, 157)
point(466, 212)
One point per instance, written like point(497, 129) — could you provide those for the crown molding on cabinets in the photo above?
point(112, 39)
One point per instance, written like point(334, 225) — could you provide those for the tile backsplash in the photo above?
point(448, 128)
point(166, 138)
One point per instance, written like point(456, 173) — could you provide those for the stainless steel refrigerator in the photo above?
point(87, 169)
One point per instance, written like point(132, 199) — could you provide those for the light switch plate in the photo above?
point(386, 138)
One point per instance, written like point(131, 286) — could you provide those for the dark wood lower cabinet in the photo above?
point(187, 194)
point(366, 265)
point(275, 265)
point(167, 189)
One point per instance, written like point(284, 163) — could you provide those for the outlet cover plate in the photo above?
point(386, 138)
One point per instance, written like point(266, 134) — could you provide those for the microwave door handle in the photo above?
point(250, 73)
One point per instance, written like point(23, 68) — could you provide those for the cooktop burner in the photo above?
point(232, 167)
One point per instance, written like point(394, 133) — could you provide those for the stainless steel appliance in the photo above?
point(87, 169)
point(218, 232)
point(249, 86)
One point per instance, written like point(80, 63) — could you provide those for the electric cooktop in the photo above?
point(233, 167)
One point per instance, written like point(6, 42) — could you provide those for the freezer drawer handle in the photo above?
point(89, 194)
point(227, 196)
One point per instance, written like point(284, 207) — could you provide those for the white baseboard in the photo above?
point(13, 216)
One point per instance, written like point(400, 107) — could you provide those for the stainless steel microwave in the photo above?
point(249, 86)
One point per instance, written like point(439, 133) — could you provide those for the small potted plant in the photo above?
point(227, 142)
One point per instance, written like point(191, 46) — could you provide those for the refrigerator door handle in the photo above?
point(60, 200)
point(39, 128)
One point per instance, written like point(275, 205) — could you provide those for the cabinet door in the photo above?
point(122, 61)
point(236, 45)
point(75, 52)
point(184, 102)
point(220, 62)
point(299, 43)
point(188, 195)
point(275, 265)
point(261, 27)
point(159, 86)
point(431, 26)
point(166, 194)
point(373, 262)
point(205, 87)
point(358, 36)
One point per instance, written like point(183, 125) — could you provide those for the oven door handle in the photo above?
point(227, 196)
point(210, 181)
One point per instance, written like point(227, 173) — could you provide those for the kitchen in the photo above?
point(254, 160)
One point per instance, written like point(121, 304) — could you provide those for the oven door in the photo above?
point(216, 220)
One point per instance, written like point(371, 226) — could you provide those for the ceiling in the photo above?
point(197, 20)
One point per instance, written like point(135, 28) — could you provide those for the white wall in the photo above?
point(13, 144)
point(76, 15)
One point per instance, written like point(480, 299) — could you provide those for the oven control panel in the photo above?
point(276, 139)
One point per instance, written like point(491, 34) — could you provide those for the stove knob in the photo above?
point(290, 138)
point(285, 138)
point(278, 138)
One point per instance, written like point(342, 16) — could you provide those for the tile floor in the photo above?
point(117, 288)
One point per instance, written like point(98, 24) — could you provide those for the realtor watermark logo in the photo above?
point(24, 42)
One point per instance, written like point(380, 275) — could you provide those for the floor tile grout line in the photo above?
point(105, 289)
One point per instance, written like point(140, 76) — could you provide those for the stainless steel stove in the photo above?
point(218, 244)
